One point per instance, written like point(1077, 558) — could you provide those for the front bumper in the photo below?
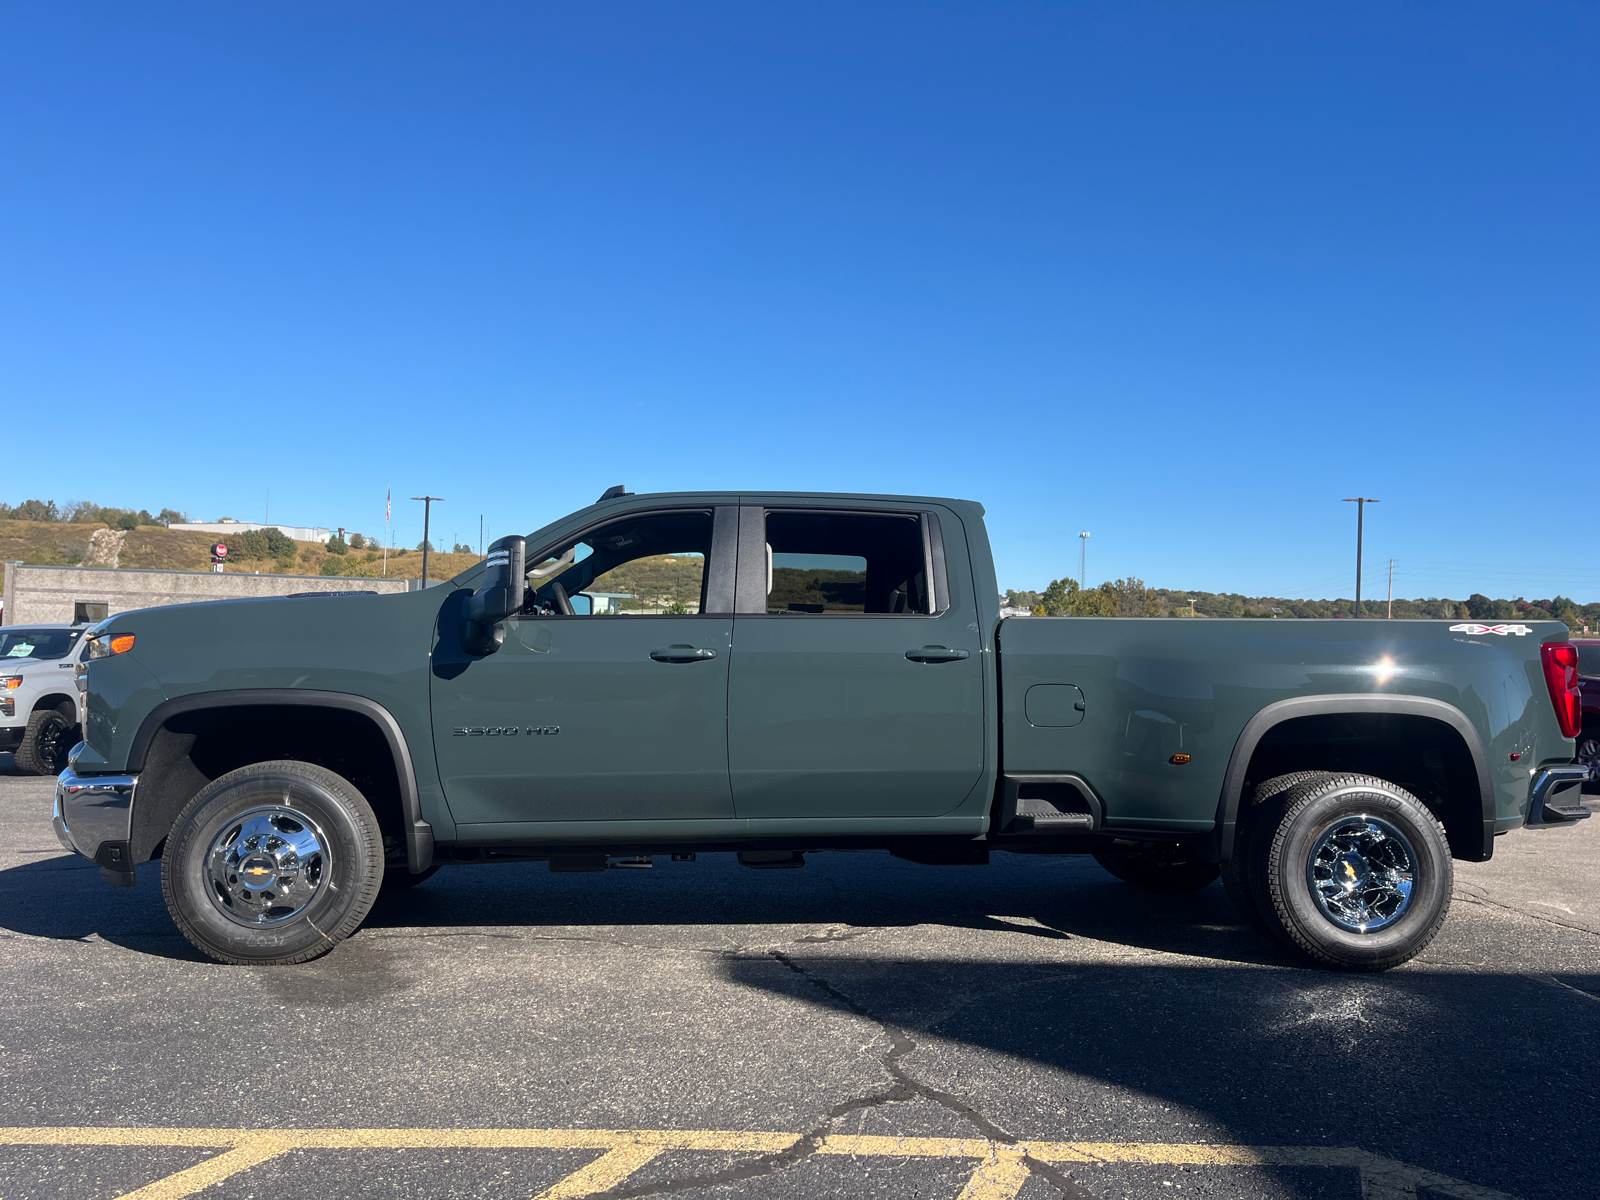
point(94, 817)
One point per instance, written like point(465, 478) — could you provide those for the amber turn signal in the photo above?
point(122, 643)
point(1178, 759)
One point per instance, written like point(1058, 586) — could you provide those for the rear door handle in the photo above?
point(933, 654)
point(682, 654)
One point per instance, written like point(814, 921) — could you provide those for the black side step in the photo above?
point(1046, 819)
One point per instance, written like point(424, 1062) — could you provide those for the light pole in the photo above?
point(1361, 503)
point(1083, 559)
point(427, 509)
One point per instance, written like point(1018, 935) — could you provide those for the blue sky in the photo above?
point(1181, 275)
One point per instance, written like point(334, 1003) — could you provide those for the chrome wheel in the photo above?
point(1361, 871)
point(267, 865)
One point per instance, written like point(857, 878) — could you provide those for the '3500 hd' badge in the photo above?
point(1502, 630)
point(504, 730)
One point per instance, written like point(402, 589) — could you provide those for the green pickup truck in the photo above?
point(781, 674)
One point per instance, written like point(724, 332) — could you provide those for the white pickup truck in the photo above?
point(40, 704)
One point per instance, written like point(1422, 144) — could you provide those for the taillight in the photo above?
point(1561, 676)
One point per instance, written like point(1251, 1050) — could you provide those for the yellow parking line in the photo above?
point(604, 1172)
point(998, 1175)
point(251, 1153)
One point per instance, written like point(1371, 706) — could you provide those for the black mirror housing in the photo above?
point(501, 596)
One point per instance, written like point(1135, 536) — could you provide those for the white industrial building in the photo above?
point(300, 533)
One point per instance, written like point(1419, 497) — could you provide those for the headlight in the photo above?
point(9, 682)
point(101, 646)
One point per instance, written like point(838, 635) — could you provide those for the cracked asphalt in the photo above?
point(1034, 999)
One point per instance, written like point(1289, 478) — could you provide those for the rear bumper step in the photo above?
point(1555, 796)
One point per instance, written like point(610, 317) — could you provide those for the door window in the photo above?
point(648, 565)
point(822, 563)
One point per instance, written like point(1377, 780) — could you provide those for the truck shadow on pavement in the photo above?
point(1171, 1022)
point(1052, 899)
point(1463, 1074)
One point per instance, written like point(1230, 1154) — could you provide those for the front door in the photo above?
point(608, 698)
point(856, 690)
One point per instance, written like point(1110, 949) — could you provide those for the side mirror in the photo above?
point(500, 596)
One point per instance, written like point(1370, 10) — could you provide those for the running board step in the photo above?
point(1040, 816)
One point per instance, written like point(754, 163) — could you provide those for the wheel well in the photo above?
point(63, 704)
point(191, 749)
point(1423, 755)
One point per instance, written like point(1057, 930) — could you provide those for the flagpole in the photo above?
point(388, 504)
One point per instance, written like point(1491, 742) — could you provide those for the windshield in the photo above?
point(1589, 658)
point(36, 643)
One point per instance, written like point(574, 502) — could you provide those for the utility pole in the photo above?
point(1391, 589)
point(480, 535)
point(1083, 559)
point(427, 510)
point(1361, 503)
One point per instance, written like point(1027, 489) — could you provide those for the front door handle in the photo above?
point(682, 654)
point(931, 654)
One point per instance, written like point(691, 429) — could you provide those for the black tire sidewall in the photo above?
point(355, 873)
point(29, 755)
point(1240, 873)
point(1295, 912)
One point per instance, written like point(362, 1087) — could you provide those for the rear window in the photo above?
point(845, 563)
point(1588, 659)
point(36, 643)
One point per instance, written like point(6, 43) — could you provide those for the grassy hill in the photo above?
point(153, 547)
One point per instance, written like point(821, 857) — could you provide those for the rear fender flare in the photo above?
point(1318, 706)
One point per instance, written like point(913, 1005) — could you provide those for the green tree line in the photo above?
point(87, 512)
point(1131, 598)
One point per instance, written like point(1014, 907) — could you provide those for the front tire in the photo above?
point(45, 743)
point(1167, 870)
point(274, 863)
point(1351, 871)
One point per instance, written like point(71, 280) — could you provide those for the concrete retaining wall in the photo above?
point(37, 595)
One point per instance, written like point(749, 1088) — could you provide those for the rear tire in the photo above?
point(1350, 871)
point(274, 863)
point(45, 743)
point(1235, 872)
point(1167, 870)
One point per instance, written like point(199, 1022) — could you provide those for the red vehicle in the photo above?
point(1588, 752)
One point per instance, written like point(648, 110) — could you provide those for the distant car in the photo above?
point(39, 699)
point(1588, 752)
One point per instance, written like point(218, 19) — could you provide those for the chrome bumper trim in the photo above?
point(91, 810)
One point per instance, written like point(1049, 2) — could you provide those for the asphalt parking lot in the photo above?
point(861, 1027)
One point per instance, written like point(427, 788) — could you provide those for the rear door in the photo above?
point(857, 686)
